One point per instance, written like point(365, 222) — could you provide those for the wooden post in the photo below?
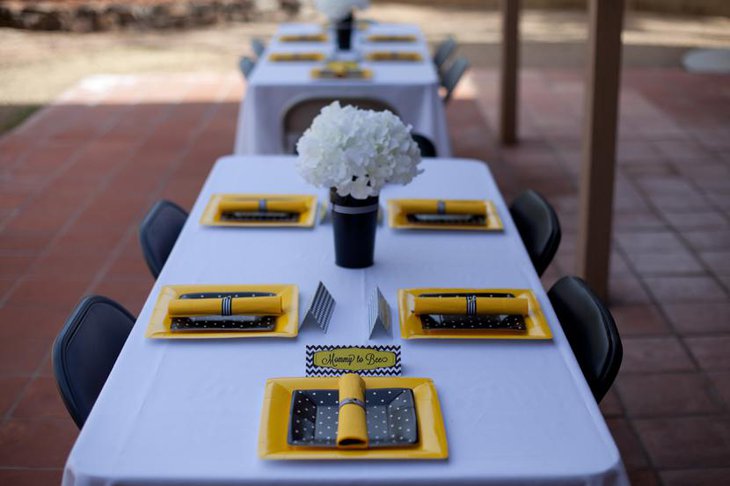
point(599, 142)
point(510, 66)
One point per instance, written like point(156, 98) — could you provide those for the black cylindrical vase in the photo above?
point(344, 30)
point(354, 222)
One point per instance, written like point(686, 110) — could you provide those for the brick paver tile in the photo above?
point(665, 263)
point(685, 289)
point(655, 354)
point(696, 477)
point(708, 219)
point(639, 319)
point(627, 290)
point(711, 352)
point(717, 239)
point(628, 444)
point(721, 381)
point(641, 242)
point(696, 318)
point(30, 477)
point(717, 261)
point(10, 389)
point(686, 442)
point(36, 443)
point(41, 400)
point(667, 394)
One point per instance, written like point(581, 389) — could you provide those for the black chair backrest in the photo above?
point(428, 149)
point(246, 65)
point(591, 332)
point(298, 117)
point(85, 351)
point(539, 227)
point(452, 76)
point(158, 233)
point(258, 47)
point(443, 52)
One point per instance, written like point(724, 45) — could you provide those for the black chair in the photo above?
point(443, 52)
point(246, 65)
point(158, 233)
point(258, 47)
point(85, 352)
point(452, 77)
point(427, 147)
point(591, 332)
point(539, 228)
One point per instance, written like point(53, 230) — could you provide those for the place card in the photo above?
point(328, 360)
point(379, 316)
point(320, 309)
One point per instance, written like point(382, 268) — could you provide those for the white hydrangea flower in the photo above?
point(357, 151)
point(339, 9)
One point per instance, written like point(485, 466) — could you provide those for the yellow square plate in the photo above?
point(287, 324)
point(411, 327)
point(399, 220)
point(391, 38)
point(394, 56)
point(277, 410)
point(296, 57)
point(212, 217)
point(303, 38)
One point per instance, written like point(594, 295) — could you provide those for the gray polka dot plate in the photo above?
point(390, 414)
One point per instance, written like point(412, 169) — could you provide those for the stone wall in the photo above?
point(101, 15)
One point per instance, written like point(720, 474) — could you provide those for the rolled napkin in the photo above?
point(352, 428)
point(296, 56)
point(391, 38)
point(227, 306)
point(233, 205)
point(394, 56)
point(470, 306)
point(341, 68)
point(435, 206)
point(303, 38)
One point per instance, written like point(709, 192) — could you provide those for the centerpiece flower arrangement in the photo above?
point(340, 13)
point(355, 153)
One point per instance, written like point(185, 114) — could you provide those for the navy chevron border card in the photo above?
point(327, 360)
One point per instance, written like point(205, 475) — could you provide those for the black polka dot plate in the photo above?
point(514, 323)
point(220, 323)
point(390, 414)
point(531, 326)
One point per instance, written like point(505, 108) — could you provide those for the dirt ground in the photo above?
point(36, 66)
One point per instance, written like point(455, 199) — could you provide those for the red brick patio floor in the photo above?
point(76, 179)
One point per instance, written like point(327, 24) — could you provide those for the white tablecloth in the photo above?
point(412, 89)
point(182, 412)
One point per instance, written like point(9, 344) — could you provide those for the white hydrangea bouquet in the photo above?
point(336, 10)
point(357, 151)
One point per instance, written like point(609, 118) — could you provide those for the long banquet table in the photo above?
point(411, 88)
point(187, 412)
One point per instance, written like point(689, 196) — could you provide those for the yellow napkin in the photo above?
point(304, 38)
point(352, 428)
point(451, 207)
point(342, 69)
point(296, 56)
point(391, 38)
point(457, 305)
point(394, 56)
point(256, 306)
point(231, 205)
